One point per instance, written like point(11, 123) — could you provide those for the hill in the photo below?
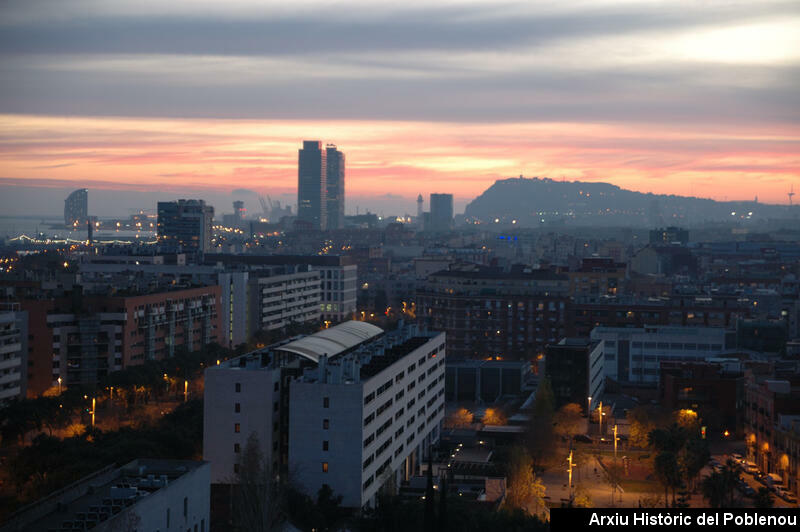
point(533, 202)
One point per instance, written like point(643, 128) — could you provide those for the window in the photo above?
point(326, 402)
point(237, 407)
point(186, 507)
point(238, 387)
point(236, 427)
point(325, 445)
point(237, 448)
point(235, 470)
point(324, 467)
point(326, 424)
point(168, 509)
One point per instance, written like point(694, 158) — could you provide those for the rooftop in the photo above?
point(333, 341)
point(100, 496)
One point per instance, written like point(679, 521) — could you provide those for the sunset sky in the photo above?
point(213, 99)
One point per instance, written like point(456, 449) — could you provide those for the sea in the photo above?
point(52, 227)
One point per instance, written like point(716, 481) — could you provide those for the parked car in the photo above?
point(737, 457)
point(787, 496)
point(745, 489)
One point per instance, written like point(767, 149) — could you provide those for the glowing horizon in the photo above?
point(404, 158)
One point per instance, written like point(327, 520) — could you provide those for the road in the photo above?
point(752, 482)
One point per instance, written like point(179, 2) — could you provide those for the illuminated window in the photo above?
point(324, 467)
point(236, 427)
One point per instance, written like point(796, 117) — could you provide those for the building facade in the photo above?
point(185, 225)
point(94, 335)
point(338, 278)
point(334, 163)
point(13, 352)
point(353, 407)
point(76, 208)
point(488, 313)
point(368, 417)
point(312, 185)
point(575, 369)
point(142, 495)
point(441, 216)
point(635, 354)
point(277, 299)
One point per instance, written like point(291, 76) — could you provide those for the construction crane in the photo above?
point(791, 194)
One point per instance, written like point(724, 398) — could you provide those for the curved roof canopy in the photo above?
point(332, 341)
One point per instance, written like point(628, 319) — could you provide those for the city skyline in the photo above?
point(678, 98)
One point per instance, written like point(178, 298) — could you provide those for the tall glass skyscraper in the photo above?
point(312, 186)
point(441, 218)
point(76, 207)
point(335, 192)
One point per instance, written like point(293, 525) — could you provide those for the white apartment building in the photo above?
point(249, 395)
point(635, 354)
point(281, 298)
point(13, 352)
point(352, 407)
point(366, 419)
point(338, 290)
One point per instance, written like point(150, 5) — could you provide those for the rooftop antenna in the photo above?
point(791, 194)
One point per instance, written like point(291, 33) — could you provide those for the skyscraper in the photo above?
point(185, 223)
point(441, 212)
point(419, 210)
point(335, 185)
point(312, 186)
point(76, 207)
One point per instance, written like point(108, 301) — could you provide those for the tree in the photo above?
point(259, 502)
point(642, 421)
point(494, 416)
point(693, 457)
point(719, 487)
point(458, 419)
point(582, 497)
point(540, 433)
point(568, 420)
point(688, 421)
point(668, 473)
point(525, 490)
point(764, 498)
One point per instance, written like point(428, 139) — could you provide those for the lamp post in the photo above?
point(59, 386)
point(588, 406)
point(185, 390)
point(600, 418)
point(94, 407)
point(569, 472)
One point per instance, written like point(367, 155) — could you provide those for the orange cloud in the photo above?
point(405, 158)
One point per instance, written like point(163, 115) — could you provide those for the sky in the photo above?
point(144, 100)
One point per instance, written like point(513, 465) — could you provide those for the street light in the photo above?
point(588, 406)
point(59, 386)
point(185, 390)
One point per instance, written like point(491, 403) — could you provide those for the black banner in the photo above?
point(662, 519)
